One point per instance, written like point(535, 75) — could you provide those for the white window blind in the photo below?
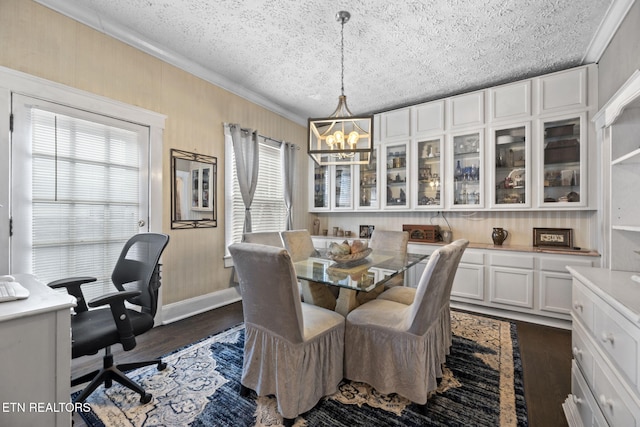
point(85, 197)
point(268, 211)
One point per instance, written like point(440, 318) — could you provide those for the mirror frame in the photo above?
point(194, 223)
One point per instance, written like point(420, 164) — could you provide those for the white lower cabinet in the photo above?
point(511, 280)
point(606, 343)
point(526, 285)
point(469, 281)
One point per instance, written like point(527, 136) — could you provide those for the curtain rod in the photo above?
point(277, 140)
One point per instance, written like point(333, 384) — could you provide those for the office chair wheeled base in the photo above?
point(110, 373)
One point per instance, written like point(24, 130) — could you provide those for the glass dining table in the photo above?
point(359, 276)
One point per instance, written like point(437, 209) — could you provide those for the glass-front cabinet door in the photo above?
point(510, 176)
point(395, 175)
point(342, 187)
point(564, 161)
point(428, 173)
point(367, 179)
point(467, 170)
point(319, 196)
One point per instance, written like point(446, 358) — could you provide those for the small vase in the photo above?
point(499, 235)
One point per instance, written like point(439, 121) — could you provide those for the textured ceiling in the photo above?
point(396, 53)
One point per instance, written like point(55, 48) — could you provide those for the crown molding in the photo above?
point(132, 38)
point(606, 30)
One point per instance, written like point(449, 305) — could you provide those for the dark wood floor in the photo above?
point(546, 358)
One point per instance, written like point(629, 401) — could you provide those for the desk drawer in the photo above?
point(619, 339)
point(584, 401)
point(582, 305)
point(615, 403)
point(582, 351)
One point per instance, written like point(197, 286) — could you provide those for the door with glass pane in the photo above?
point(367, 179)
point(428, 173)
point(510, 175)
point(319, 196)
point(466, 169)
point(563, 161)
point(395, 168)
point(342, 187)
point(79, 190)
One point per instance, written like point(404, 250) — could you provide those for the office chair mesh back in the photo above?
point(137, 269)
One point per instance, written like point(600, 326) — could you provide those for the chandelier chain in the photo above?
point(342, 57)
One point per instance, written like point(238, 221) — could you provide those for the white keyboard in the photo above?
point(11, 291)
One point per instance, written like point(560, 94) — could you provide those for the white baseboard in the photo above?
point(192, 306)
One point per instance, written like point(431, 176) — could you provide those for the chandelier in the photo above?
point(341, 138)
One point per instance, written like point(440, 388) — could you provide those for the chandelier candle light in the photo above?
point(341, 139)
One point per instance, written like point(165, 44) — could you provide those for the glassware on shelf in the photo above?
point(467, 160)
point(427, 190)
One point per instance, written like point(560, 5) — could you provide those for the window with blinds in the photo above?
point(268, 211)
point(85, 197)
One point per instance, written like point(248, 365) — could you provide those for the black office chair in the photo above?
point(136, 275)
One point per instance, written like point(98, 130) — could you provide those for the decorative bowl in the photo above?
point(350, 258)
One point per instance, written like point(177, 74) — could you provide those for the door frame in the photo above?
point(12, 81)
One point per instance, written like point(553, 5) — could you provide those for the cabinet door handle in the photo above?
point(607, 336)
point(606, 402)
point(577, 400)
point(576, 352)
point(578, 306)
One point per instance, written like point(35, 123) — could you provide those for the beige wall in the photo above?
point(41, 42)
point(622, 56)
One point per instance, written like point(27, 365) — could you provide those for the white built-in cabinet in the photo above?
point(528, 285)
point(618, 124)
point(522, 145)
point(605, 341)
point(605, 376)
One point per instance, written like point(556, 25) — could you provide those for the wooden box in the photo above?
point(423, 233)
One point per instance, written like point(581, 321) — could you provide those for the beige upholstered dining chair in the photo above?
point(292, 350)
point(300, 246)
point(406, 295)
point(270, 238)
point(397, 348)
point(386, 240)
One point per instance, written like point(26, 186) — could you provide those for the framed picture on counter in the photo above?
point(553, 237)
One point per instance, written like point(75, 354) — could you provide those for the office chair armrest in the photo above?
point(72, 284)
point(112, 297)
point(116, 300)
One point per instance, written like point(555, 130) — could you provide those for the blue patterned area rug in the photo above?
point(482, 387)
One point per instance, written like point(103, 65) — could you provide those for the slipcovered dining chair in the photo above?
point(270, 238)
point(406, 295)
point(400, 343)
point(300, 246)
point(136, 277)
point(292, 349)
point(386, 240)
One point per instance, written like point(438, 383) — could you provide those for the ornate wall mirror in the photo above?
point(193, 190)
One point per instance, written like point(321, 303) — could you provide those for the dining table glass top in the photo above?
point(363, 275)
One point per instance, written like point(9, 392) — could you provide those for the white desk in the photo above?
point(35, 351)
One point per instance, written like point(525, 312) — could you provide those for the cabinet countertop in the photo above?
point(489, 246)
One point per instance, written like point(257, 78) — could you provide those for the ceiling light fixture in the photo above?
point(341, 139)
